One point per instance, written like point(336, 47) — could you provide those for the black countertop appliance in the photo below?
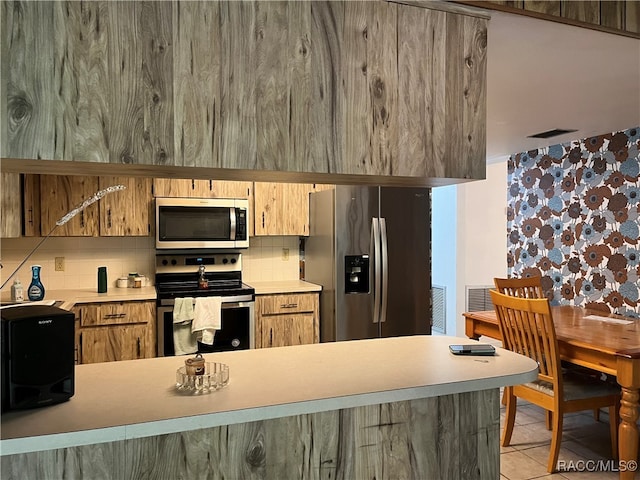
point(38, 356)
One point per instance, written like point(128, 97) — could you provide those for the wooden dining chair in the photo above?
point(526, 287)
point(526, 326)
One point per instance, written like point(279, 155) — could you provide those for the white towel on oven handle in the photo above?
point(184, 342)
point(207, 318)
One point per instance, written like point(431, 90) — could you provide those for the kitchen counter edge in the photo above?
point(264, 384)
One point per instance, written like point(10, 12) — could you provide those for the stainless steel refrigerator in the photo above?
point(369, 248)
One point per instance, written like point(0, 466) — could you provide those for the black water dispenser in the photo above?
point(356, 274)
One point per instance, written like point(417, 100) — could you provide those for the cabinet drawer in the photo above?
point(115, 313)
point(292, 303)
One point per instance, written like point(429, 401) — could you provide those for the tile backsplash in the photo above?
point(262, 261)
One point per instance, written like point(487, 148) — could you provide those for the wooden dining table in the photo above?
point(598, 340)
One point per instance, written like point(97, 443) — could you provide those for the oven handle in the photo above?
point(231, 302)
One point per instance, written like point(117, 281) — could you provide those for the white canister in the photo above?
point(122, 282)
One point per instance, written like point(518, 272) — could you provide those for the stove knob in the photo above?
point(174, 261)
point(235, 343)
point(233, 260)
point(225, 260)
point(165, 262)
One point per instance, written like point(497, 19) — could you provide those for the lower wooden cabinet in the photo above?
point(111, 331)
point(283, 320)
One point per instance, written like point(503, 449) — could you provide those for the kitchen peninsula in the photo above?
point(383, 408)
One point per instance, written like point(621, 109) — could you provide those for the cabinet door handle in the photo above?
point(30, 221)
point(210, 185)
point(138, 347)
point(262, 219)
point(109, 218)
point(193, 184)
point(114, 315)
point(289, 305)
point(82, 219)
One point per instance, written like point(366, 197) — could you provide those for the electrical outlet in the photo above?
point(59, 264)
point(285, 254)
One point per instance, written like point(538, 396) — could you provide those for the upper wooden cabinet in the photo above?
point(281, 208)
point(364, 89)
point(126, 213)
point(47, 198)
point(59, 195)
point(10, 206)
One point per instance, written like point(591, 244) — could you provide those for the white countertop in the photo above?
point(70, 297)
point(137, 398)
point(284, 286)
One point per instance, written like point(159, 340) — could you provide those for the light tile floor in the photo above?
point(584, 442)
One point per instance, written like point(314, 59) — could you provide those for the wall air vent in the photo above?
point(439, 302)
point(479, 298)
point(551, 133)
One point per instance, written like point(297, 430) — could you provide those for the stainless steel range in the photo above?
point(198, 274)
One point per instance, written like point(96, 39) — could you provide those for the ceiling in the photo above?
point(543, 75)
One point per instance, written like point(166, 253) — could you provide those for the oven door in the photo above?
point(236, 332)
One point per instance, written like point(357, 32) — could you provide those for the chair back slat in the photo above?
point(526, 325)
point(525, 287)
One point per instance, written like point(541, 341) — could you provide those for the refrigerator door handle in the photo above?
point(374, 248)
point(385, 270)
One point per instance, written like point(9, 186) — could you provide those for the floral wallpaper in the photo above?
point(573, 218)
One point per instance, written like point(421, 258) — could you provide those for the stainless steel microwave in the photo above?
point(202, 223)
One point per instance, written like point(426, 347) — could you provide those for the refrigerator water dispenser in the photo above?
point(356, 274)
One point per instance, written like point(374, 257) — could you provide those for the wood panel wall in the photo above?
point(454, 436)
point(615, 16)
point(305, 87)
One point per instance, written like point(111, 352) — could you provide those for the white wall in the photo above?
point(469, 238)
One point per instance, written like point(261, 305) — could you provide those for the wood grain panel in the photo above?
point(326, 109)
point(299, 85)
point(126, 213)
point(440, 437)
point(355, 94)
point(632, 16)
point(116, 313)
point(31, 209)
point(81, 76)
point(287, 330)
point(281, 208)
point(272, 84)
point(68, 192)
point(382, 75)
point(238, 111)
point(110, 344)
point(141, 94)
point(549, 7)
point(584, 11)
point(10, 205)
point(612, 14)
point(276, 304)
point(172, 187)
point(422, 91)
point(29, 73)
point(455, 93)
point(197, 83)
point(472, 163)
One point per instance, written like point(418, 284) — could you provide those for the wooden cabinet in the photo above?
point(289, 319)
point(59, 194)
point(47, 198)
point(365, 89)
point(281, 208)
point(125, 212)
point(10, 207)
point(111, 331)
